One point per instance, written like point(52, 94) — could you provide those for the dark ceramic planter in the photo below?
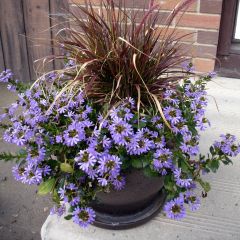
point(139, 201)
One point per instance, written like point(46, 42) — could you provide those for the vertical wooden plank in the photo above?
point(13, 38)
point(37, 25)
point(2, 65)
point(58, 11)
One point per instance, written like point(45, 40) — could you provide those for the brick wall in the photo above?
point(202, 21)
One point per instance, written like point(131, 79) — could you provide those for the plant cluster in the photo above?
point(73, 151)
point(118, 104)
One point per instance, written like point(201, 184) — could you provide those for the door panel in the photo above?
point(228, 54)
point(26, 32)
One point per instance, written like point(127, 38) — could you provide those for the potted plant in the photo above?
point(114, 134)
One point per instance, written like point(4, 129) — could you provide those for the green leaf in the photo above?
point(52, 163)
point(46, 187)
point(205, 185)
point(137, 163)
point(79, 173)
point(55, 196)
point(214, 165)
point(212, 150)
point(185, 166)
point(141, 162)
point(68, 217)
point(65, 167)
point(8, 156)
point(227, 161)
point(148, 172)
point(169, 183)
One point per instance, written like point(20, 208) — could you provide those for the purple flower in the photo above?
point(75, 201)
point(71, 186)
point(46, 170)
point(85, 160)
point(18, 138)
point(69, 194)
point(61, 193)
point(36, 156)
point(140, 143)
point(83, 216)
point(122, 113)
point(109, 164)
point(2, 116)
point(59, 139)
point(18, 172)
point(59, 210)
point(156, 120)
point(102, 121)
point(74, 134)
point(228, 145)
point(174, 209)
point(172, 114)
point(11, 88)
point(102, 181)
point(192, 200)
point(12, 109)
point(92, 173)
point(119, 130)
point(106, 142)
point(190, 144)
point(188, 67)
point(171, 97)
point(5, 76)
point(162, 159)
point(202, 122)
point(212, 74)
point(119, 183)
point(181, 181)
point(32, 175)
point(180, 127)
point(160, 142)
point(70, 63)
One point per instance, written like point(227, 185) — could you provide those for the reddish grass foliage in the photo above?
point(121, 53)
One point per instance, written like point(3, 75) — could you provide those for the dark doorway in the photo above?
point(228, 56)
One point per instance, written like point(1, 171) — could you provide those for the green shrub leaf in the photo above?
point(46, 187)
point(150, 173)
point(205, 185)
point(68, 217)
point(65, 167)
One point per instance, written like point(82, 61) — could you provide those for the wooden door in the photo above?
point(228, 56)
point(26, 35)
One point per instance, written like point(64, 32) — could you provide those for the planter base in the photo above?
point(117, 222)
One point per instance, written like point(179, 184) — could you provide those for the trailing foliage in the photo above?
point(18, 156)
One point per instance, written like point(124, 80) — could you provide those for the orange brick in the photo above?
point(181, 34)
point(199, 51)
point(200, 21)
point(94, 2)
point(170, 4)
point(204, 64)
point(164, 4)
